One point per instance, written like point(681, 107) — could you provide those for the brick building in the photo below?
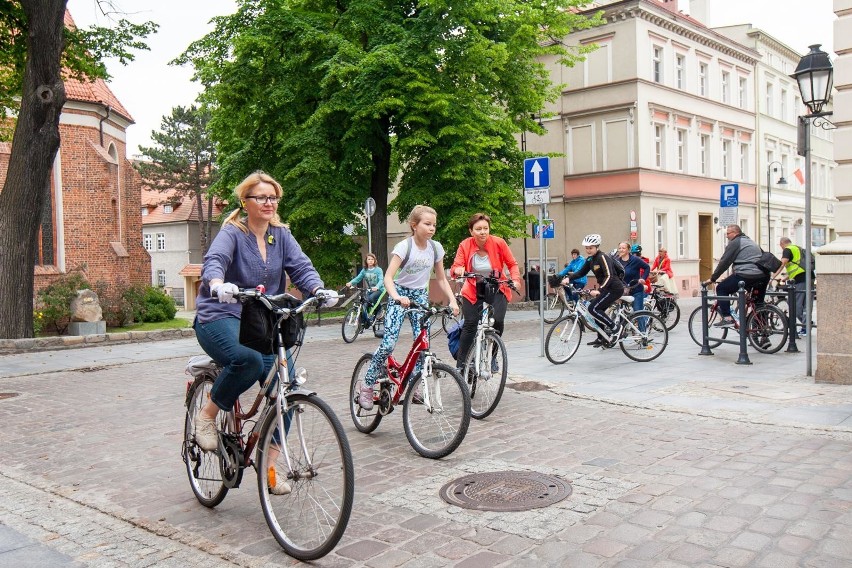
point(93, 223)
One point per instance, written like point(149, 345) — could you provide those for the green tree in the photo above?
point(183, 160)
point(35, 47)
point(345, 99)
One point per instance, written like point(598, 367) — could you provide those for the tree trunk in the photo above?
point(34, 147)
point(379, 187)
point(202, 223)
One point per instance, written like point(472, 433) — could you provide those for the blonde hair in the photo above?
point(242, 191)
point(417, 214)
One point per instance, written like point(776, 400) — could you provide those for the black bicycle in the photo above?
point(363, 315)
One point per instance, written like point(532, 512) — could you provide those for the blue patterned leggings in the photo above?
point(393, 325)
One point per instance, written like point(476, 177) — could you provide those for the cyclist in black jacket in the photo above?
point(610, 286)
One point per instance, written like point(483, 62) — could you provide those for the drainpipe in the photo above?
point(101, 123)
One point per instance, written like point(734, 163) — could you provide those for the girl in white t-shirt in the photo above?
point(421, 255)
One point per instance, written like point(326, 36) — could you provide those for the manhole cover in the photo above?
point(505, 491)
point(527, 386)
point(5, 395)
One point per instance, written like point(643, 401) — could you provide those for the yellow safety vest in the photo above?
point(793, 266)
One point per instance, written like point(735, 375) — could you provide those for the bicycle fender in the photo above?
point(302, 391)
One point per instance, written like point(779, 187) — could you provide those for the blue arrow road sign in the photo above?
point(536, 173)
point(730, 195)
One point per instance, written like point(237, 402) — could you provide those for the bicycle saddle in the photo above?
point(200, 364)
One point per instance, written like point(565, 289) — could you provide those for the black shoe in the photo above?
point(596, 343)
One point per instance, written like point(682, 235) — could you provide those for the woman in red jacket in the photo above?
point(482, 253)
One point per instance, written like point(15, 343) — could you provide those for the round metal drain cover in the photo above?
point(505, 491)
point(5, 395)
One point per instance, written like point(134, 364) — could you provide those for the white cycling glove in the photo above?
point(328, 297)
point(225, 292)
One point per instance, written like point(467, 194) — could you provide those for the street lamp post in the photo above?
point(815, 76)
point(781, 182)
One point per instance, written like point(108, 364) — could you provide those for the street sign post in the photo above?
point(369, 210)
point(544, 231)
point(537, 192)
point(729, 201)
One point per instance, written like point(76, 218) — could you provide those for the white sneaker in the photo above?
point(365, 397)
point(206, 435)
point(276, 486)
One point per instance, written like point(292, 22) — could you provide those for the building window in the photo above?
point(726, 87)
point(161, 241)
point(660, 231)
point(702, 79)
point(144, 211)
point(770, 95)
point(659, 146)
point(680, 71)
point(658, 64)
point(743, 162)
point(681, 150)
point(682, 232)
point(161, 278)
point(726, 159)
point(148, 241)
point(743, 92)
point(168, 208)
point(783, 107)
point(705, 154)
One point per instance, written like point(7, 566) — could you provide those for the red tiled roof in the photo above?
point(94, 92)
point(190, 270)
point(183, 209)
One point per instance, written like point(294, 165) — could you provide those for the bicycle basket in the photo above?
point(257, 323)
point(554, 280)
point(486, 290)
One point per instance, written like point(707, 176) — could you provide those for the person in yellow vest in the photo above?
point(791, 259)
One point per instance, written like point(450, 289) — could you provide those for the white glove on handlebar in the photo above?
point(225, 292)
point(328, 298)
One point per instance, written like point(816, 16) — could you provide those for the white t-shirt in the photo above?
point(415, 273)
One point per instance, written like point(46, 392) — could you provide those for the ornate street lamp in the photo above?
point(782, 182)
point(815, 76)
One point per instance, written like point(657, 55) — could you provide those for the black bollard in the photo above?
point(791, 318)
point(743, 311)
point(705, 331)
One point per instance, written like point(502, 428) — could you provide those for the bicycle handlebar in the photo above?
point(475, 275)
point(268, 300)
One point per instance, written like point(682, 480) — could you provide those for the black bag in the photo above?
point(807, 261)
point(619, 268)
point(486, 290)
point(768, 262)
point(257, 324)
point(554, 280)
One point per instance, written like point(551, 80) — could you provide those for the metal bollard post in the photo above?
point(791, 318)
point(705, 332)
point(742, 309)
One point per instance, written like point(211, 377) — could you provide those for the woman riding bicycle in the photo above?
point(253, 248)
point(484, 254)
point(406, 281)
point(610, 286)
point(373, 275)
point(575, 265)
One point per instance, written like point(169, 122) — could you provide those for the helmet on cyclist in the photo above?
point(636, 249)
point(593, 240)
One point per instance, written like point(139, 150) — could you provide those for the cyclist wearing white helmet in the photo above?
point(610, 286)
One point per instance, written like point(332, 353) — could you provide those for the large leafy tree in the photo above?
point(182, 161)
point(345, 99)
point(35, 48)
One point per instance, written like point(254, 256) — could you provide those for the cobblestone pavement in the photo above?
point(670, 474)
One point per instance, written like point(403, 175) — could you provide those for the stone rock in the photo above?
point(86, 307)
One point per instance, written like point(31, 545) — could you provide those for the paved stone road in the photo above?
point(91, 471)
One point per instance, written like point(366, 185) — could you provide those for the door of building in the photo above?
point(705, 246)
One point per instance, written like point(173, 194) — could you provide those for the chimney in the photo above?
point(700, 10)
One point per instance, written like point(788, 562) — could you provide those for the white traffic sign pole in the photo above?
point(369, 209)
point(541, 271)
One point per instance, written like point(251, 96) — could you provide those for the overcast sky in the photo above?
point(149, 88)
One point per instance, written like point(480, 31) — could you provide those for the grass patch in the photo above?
point(176, 323)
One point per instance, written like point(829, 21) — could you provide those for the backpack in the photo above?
point(768, 262)
point(454, 338)
point(806, 260)
point(410, 241)
point(619, 268)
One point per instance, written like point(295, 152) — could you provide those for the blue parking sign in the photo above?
point(536, 172)
point(730, 195)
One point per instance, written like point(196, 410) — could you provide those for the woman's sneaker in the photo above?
point(206, 435)
point(276, 486)
point(365, 397)
point(725, 322)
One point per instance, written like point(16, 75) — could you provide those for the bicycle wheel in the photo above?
point(644, 337)
point(553, 307)
point(352, 324)
point(767, 330)
point(379, 322)
point(202, 468)
point(448, 321)
point(487, 382)
point(436, 425)
point(669, 312)
point(365, 420)
point(715, 335)
point(309, 521)
point(563, 339)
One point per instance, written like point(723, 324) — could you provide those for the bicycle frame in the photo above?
point(399, 373)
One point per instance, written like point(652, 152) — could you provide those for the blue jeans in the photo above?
point(241, 366)
point(639, 304)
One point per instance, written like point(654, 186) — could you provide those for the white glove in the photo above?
point(226, 292)
point(327, 298)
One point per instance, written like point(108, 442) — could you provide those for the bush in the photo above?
point(157, 305)
point(54, 301)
